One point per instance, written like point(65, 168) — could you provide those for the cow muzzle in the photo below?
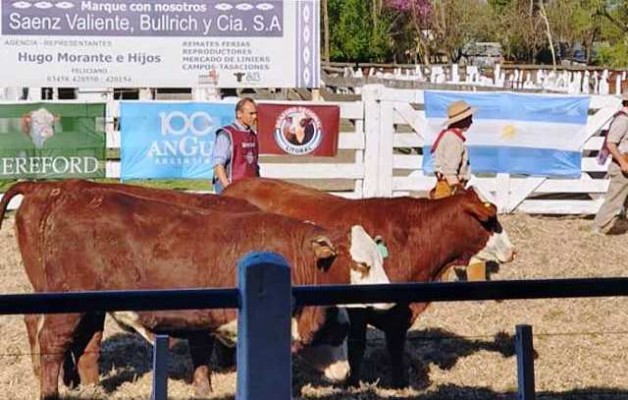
point(331, 361)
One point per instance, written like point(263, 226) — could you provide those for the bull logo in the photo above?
point(239, 76)
point(39, 126)
point(298, 131)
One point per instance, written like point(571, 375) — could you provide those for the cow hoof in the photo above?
point(202, 384)
point(337, 372)
point(203, 390)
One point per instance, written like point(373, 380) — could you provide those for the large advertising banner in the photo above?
point(160, 43)
point(298, 129)
point(52, 140)
point(170, 140)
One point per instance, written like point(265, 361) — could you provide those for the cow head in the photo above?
point(498, 247)
point(366, 264)
point(327, 352)
point(39, 126)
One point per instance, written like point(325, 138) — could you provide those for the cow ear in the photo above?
point(483, 211)
point(324, 251)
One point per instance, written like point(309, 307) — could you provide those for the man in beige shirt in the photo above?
point(617, 145)
point(451, 164)
point(451, 157)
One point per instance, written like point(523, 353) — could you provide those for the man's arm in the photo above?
point(617, 131)
point(220, 157)
point(614, 151)
point(221, 175)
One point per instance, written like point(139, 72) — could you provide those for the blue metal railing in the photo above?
point(182, 299)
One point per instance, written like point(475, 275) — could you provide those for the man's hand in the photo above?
point(452, 180)
point(618, 157)
point(221, 174)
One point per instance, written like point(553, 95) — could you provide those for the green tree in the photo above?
point(613, 51)
point(576, 22)
point(518, 28)
point(499, 5)
point(359, 31)
point(457, 23)
point(416, 30)
point(438, 27)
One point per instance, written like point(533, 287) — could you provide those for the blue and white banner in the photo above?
point(170, 140)
point(514, 133)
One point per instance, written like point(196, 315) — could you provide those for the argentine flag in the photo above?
point(514, 133)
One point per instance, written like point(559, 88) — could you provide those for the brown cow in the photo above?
point(110, 240)
point(423, 238)
point(81, 363)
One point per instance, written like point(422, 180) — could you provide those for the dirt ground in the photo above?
point(458, 350)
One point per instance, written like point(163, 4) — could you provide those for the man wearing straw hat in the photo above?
point(451, 157)
point(617, 146)
point(451, 164)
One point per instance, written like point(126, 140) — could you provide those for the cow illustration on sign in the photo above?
point(39, 126)
point(298, 130)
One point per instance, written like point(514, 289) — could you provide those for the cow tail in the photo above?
point(19, 188)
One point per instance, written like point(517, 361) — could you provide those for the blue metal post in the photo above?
point(160, 368)
point(264, 328)
point(525, 362)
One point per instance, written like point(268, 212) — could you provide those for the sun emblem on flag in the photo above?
point(508, 131)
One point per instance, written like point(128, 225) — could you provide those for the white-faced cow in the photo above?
point(423, 238)
point(108, 240)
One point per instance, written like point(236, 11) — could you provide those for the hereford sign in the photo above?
point(160, 43)
point(52, 140)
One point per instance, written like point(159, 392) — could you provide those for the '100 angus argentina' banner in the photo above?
point(160, 43)
point(528, 134)
point(170, 140)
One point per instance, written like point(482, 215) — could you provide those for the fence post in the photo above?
point(371, 96)
point(386, 149)
point(264, 328)
point(525, 362)
point(160, 368)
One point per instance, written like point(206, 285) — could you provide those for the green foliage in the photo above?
point(499, 5)
point(375, 31)
point(357, 33)
point(615, 56)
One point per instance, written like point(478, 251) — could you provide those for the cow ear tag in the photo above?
point(381, 246)
point(383, 250)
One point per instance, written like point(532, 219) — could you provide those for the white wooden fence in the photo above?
point(382, 135)
point(389, 111)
